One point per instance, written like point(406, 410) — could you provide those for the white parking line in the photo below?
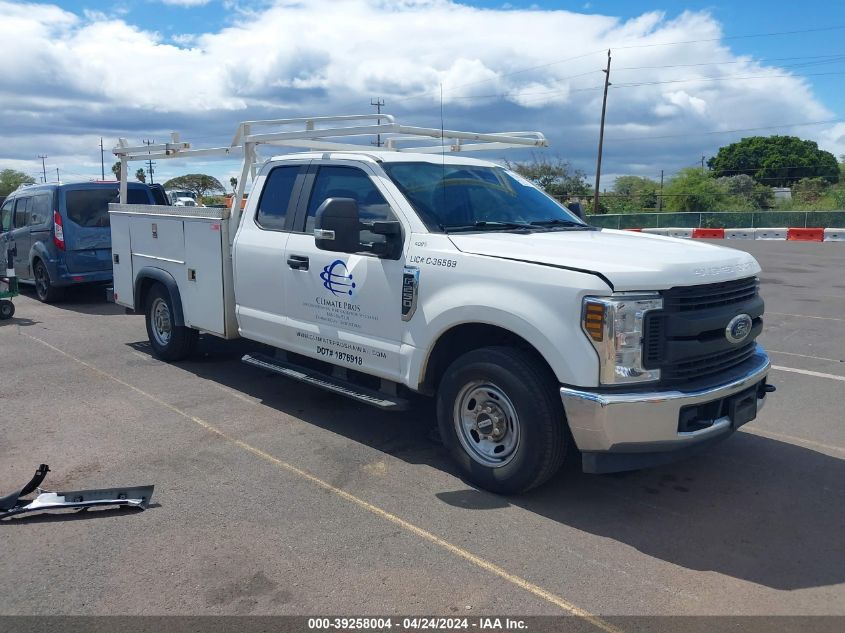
point(422, 533)
point(753, 430)
point(806, 316)
point(807, 372)
point(833, 360)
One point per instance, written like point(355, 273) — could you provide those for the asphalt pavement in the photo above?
point(277, 498)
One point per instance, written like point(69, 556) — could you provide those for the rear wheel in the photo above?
point(7, 309)
point(44, 288)
point(500, 419)
point(170, 342)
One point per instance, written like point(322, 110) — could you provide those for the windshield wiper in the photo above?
point(558, 222)
point(487, 224)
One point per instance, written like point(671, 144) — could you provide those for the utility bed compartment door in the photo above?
point(157, 238)
point(202, 287)
point(122, 261)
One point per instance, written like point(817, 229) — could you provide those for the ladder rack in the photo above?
point(321, 134)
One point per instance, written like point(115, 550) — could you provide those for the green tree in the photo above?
point(233, 181)
point(631, 194)
point(555, 176)
point(140, 175)
point(11, 179)
point(115, 169)
point(777, 161)
point(809, 191)
point(694, 189)
point(745, 193)
point(199, 184)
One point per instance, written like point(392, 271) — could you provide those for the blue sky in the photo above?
point(139, 69)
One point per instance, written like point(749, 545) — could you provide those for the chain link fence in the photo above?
point(721, 220)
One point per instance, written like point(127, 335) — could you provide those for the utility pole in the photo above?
point(660, 197)
point(378, 104)
point(702, 162)
point(58, 180)
point(150, 162)
point(606, 72)
point(102, 161)
point(43, 168)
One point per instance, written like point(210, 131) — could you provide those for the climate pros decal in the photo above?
point(339, 302)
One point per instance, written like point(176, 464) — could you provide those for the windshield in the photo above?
point(467, 197)
point(175, 193)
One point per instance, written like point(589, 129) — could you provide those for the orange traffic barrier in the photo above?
point(713, 234)
point(805, 235)
point(637, 230)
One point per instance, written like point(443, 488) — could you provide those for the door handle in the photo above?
point(298, 262)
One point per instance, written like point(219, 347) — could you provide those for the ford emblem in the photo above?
point(738, 329)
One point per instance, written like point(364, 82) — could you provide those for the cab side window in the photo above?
point(348, 182)
point(277, 198)
point(39, 209)
point(22, 212)
point(6, 215)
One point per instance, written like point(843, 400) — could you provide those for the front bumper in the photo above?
point(625, 431)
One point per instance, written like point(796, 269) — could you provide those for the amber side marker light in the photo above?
point(594, 321)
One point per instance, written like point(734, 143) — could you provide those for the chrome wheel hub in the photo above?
point(161, 324)
point(486, 424)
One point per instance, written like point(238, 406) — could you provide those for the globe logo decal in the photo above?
point(337, 279)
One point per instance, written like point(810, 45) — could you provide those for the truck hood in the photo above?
point(628, 260)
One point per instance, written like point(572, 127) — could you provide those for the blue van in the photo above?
point(60, 234)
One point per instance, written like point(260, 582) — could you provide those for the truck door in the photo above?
point(344, 309)
point(259, 254)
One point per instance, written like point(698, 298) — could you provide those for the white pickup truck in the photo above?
point(378, 274)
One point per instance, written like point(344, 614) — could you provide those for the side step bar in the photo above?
point(329, 383)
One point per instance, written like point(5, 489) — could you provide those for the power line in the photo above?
point(748, 129)
point(628, 47)
point(542, 93)
point(726, 78)
point(828, 57)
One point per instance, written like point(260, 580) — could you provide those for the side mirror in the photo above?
point(337, 226)
point(577, 209)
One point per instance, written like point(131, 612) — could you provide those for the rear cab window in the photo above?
point(277, 200)
point(22, 212)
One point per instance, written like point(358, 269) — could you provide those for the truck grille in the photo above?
point(692, 298)
point(686, 340)
point(707, 365)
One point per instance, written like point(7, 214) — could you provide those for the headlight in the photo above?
point(614, 326)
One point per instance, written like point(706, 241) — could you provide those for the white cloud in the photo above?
point(499, 68)
point(186, 3)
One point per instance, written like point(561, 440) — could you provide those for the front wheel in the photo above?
point(170, 342)
point(501, 420)
point(7, 309)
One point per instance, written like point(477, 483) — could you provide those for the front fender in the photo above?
point(529, 309)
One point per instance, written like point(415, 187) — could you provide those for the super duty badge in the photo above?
point(410, 284)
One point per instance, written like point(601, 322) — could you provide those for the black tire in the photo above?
point(44, 288)
point(7, 309)
point(169, 342)
point(530, 392)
